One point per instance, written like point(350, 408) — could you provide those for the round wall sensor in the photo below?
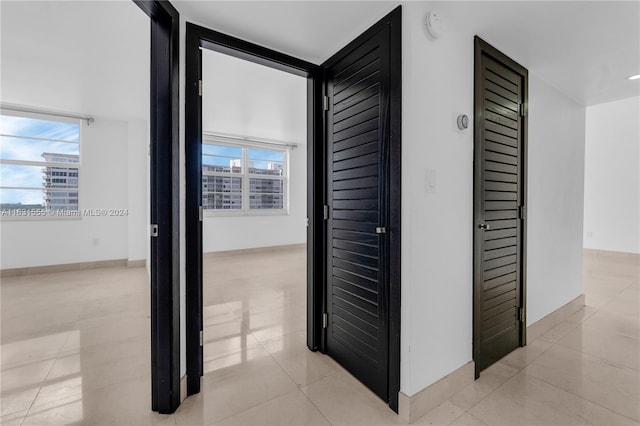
point(463, 122)
point(434, 24)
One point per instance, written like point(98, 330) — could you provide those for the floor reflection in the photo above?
point(75, 350)
point(71, 338)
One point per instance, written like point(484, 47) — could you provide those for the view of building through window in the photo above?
point(243, 178)
point(39, 163)
point(58, 181)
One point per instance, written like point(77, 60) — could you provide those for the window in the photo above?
point(39, 164)
point(244, 179)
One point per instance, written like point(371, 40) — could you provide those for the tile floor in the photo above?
point(75, 350)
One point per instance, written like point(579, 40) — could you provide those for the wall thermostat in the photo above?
point(463, 122)
point(434, 24)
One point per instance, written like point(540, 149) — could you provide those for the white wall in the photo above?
point(556, 194)
point(63, 56)
point(137, 190)
point(437, 250)
point(246, 99)
point(436, 227)
point(103, 184)
point(612, 176)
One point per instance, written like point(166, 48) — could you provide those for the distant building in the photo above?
point(60, 183)
point(221, 192)
point(236, 165)
point(276, 166)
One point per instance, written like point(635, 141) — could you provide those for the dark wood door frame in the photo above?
point(484, 48)
point(197, 38)
point(164, 154)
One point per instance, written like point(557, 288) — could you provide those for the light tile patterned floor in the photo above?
point(75, 350)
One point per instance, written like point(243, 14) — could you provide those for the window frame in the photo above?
point(245, 210)
point(44, 116)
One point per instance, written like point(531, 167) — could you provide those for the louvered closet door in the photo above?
point(499, 227)
point(357, 136)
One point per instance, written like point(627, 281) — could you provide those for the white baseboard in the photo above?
point(65, 267)
point(136, 263)
point(411, 408)
point(183, 388)
point(255, 250)
point(546, 323)
point(610, 254)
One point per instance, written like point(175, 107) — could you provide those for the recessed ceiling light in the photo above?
point(634, 77)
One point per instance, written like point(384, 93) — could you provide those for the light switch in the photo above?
point(432, 181)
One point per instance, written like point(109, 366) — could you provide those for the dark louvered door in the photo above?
point(357, 86)
point(500, 130)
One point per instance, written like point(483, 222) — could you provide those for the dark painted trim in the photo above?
point(477, 188)
point(525, 202)
point(482, 47)
point(487, 49)
point(315, 202)
point(197, 38)
point(224, 43)
point(395, 203)
point(193, 197)
point(165, 205)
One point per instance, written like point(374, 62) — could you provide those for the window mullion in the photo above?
point(246, 179)
point(285, 185)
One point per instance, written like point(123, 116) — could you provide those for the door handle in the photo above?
point(381, 230)
point(484, 226)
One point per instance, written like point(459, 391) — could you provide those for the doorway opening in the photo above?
point(253, 212)
point(353, 199)
point(216, 145)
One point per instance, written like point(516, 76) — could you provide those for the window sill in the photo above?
point(208, 214)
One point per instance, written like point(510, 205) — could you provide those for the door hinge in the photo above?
point(200, 87)
point(521, 314)
point(201, 338)
point(523, 110)
point(325, 103)
point(154, 230)
point(522, 212)
point(325, 320)
point(200, 213)
point(307, 222)
point(325, 212)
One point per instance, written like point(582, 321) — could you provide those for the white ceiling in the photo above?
point(93, 56)
point(89, 57)
point(310, 30)
point(584, 49)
